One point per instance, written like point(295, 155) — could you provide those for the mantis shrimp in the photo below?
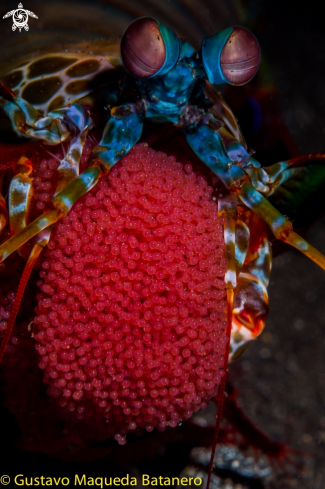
point(167, 83)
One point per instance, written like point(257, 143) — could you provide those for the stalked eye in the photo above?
point(143, 50)
point(148, 48)
point(240, 57)
point(231, 56)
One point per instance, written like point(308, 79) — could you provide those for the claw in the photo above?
point(54, 128)
point(55, 135)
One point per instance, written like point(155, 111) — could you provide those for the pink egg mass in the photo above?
point(131, 317)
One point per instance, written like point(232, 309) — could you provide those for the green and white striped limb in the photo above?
point(63, 202)
point(279, 224)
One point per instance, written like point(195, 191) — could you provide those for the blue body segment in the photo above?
point(236, 151)
point(121, 133)
point(176, 86)
point(209, 147)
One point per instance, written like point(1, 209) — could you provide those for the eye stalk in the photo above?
point(148, 48)
point(231, 56)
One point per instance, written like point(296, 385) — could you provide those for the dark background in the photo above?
point(281, 378)
point(284, 371)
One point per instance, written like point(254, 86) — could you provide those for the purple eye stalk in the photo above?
point(231, 56)
point(148, 48)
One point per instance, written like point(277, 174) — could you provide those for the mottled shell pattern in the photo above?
point(53, 80)
point(68, 53)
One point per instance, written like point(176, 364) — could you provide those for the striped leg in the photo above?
point(228, 211)
point(251, 298)
point(20, 192)
point(280, 226)
point(235, 167)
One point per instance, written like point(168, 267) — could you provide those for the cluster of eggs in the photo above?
point(131, 317)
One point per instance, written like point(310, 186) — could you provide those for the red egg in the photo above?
point(240, 57)
point(143, 50)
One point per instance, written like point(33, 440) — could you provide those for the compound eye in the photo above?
point(240, 56)
point(143, 50)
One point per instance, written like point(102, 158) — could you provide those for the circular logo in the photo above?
point(4, 480)
point(20, 18)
